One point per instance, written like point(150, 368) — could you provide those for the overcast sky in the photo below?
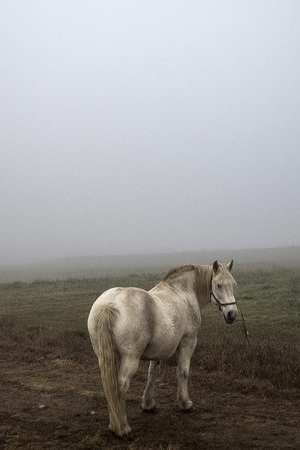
point(148, 126)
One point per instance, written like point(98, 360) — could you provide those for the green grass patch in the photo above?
point(269, 299)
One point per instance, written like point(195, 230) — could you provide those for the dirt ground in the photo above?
point(51, 398)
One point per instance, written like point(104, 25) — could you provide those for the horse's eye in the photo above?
point(219, 286)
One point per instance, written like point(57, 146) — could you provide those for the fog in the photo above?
point(131, 127)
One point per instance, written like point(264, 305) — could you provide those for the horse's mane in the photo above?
point(177, 271)
point(202, 277)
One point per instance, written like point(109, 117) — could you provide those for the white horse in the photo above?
point(129, 324)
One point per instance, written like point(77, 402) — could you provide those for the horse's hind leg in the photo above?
point(148, 402)
point(127, 368)
point(184, 353)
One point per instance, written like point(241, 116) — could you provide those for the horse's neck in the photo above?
point(203, 283)
point(195, 284)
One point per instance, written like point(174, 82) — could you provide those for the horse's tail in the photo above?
point(108, 360)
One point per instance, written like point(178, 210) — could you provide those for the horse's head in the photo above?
point(221, 290)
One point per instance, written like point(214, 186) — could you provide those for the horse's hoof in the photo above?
point(189, 410)
point(153, 410)
point(148, 406)
point(188, 407)
point(121, 434)
point(128, 437)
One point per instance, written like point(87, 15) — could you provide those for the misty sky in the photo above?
point(148, 126)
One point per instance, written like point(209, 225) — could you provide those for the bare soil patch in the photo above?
point(52, 398)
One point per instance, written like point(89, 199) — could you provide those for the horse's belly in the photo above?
point(160, 349)
point(153, 354)
point(168, 329)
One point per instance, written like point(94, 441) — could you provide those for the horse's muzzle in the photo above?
point(230, 316)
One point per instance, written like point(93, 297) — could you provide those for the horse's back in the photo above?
point(126, 301)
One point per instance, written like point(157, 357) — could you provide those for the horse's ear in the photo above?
point(215, 266)
point(229, 265)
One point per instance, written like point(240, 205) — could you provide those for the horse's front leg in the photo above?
point(148, 402)
point(184, 353)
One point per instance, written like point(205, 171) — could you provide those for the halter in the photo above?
point(219, 303)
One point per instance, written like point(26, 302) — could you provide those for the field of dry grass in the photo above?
point(247, 394)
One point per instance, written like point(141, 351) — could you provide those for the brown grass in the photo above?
point(279, 365)
point(54, 384)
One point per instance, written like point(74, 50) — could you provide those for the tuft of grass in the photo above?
point(34, 342)
point(277, 365)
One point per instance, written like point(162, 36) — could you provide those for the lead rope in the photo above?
point(244, 326)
